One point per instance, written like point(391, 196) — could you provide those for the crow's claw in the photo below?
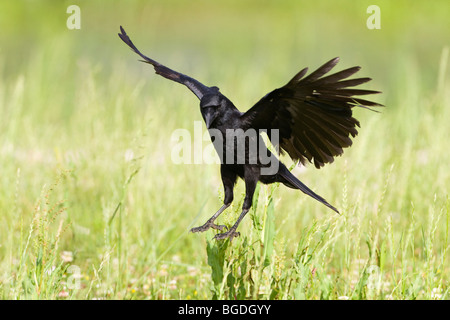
point(232, 233)
point(207, 226)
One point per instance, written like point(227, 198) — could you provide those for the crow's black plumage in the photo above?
point(310, 118)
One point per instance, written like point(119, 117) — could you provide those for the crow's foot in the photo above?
point(208, 225)
point(229, 234)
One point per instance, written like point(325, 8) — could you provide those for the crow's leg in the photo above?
point(228, 180)
point(232, 232)
point(210, 223)
point(251, 176)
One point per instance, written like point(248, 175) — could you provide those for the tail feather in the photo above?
point(293, 182)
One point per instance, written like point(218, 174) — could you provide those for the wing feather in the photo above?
point(195, 86)
point(313, 114)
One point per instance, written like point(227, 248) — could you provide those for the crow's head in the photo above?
point(210, 107)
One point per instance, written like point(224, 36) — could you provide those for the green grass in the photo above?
point(92, 207)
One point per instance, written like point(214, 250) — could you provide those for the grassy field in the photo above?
point(93, 207)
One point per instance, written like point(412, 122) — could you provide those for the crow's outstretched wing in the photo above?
point(313, 114)
point(195, 86)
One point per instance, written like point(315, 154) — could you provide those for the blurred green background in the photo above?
point(85, 138)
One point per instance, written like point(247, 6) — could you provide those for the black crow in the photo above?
point(310, 118)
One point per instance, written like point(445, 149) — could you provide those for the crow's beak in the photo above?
point(209, 118)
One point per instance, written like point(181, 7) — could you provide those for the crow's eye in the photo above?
point(209, 107)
